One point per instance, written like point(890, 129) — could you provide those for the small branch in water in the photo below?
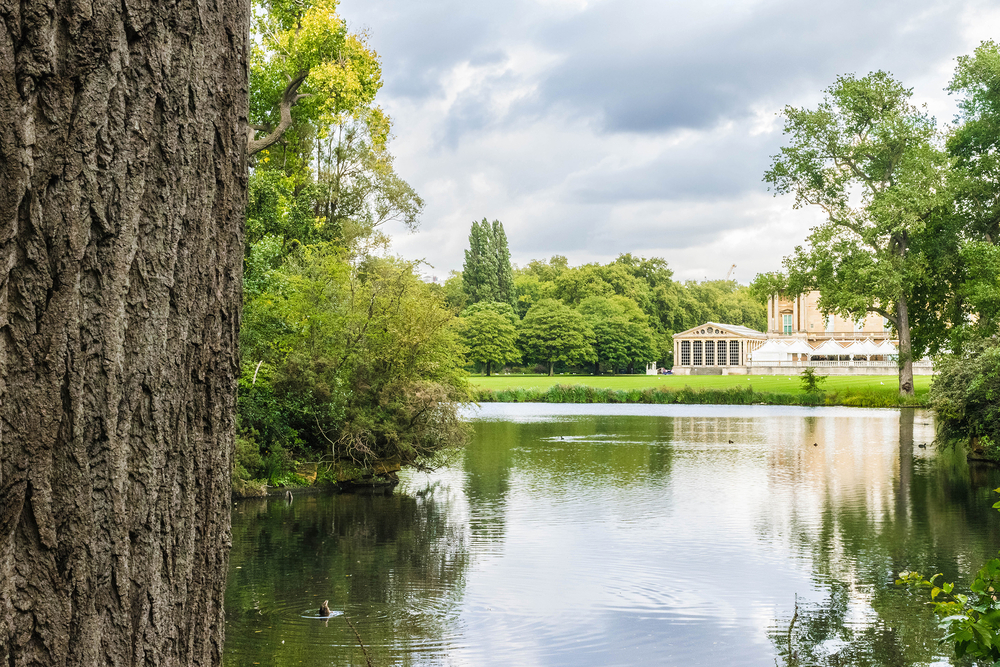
point(791, 654)
point(360, 643)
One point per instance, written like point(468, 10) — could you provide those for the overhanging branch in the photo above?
point(288, 100)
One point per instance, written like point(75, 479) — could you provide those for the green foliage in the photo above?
point(308, 42)
point(971, 622)
point(965, 394)
point(489, 331)
point(552, 332)
point(356, 363)
point(872, 162)
point(810, 381)
point(486, 274)
point(646, 284)
point(621, 335)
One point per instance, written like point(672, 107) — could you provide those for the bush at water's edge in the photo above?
point(661, 396)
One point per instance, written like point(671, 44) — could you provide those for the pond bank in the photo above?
point(739, 395)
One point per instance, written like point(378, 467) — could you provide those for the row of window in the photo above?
point(711, 353)
point(786, 324)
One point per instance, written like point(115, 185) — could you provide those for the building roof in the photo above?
point(725, 329)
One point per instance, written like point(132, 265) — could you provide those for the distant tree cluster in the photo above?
point(615, 317)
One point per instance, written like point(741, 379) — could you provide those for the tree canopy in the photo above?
point(552, 332)
point(489, 330)
point(486, 274)
point(872, 161)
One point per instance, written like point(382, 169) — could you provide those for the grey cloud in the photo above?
point(641, 72)
point(722, 164)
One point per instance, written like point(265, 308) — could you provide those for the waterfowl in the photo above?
point(324, 609)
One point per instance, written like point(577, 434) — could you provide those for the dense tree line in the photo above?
point(613, 317)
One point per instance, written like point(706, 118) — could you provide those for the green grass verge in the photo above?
point(861, 391)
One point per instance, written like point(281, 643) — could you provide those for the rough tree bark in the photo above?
point(122, 183)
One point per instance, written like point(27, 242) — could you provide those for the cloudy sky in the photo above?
point(596, 127)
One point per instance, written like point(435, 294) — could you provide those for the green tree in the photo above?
point(304, 67)
point(479, 272)
point(965, 396)
point(487, 274)
point(552, 332)
point(972, 268)
point(489, 330)
point(621, 335)
point(358, 362)
point(869, 159)
point(505, 275)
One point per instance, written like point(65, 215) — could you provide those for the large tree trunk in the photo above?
point(122, 185)
point(905, 348)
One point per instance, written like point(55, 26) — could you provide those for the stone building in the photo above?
point(715, 349)
point(798, 335)
point(800, 317)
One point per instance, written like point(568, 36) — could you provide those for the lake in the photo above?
point(624, 535)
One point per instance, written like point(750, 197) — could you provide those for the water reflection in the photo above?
point(392, 564)
point(603, 535)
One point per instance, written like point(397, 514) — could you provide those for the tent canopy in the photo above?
point(830, 349)
point(864, 347)
point(799, 347)
point(887, 348)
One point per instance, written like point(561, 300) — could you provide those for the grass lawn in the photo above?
point(767, 383)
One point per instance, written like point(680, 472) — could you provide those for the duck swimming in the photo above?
point(324, 609)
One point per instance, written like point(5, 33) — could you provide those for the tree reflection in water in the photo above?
point(393, 563)
point(929, 529)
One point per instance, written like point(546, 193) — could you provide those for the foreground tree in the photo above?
point(122, 190)
point(868, 158)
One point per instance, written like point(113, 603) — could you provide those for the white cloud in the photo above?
point(592, 128)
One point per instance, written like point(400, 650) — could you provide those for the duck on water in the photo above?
point(324, 609)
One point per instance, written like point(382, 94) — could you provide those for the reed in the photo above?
point(740, 395)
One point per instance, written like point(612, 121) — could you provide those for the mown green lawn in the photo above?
point(773, 383)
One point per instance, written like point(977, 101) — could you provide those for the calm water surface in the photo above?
point(624, 535)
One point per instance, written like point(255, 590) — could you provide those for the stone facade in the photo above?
point(800, 317)
point(715, 349)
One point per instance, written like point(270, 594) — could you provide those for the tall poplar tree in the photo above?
point(123, 171)
point(487, 274)
point(479, 273)
point(505, 276)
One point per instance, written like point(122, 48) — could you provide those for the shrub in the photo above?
point(810, 381)
point(965, 395)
